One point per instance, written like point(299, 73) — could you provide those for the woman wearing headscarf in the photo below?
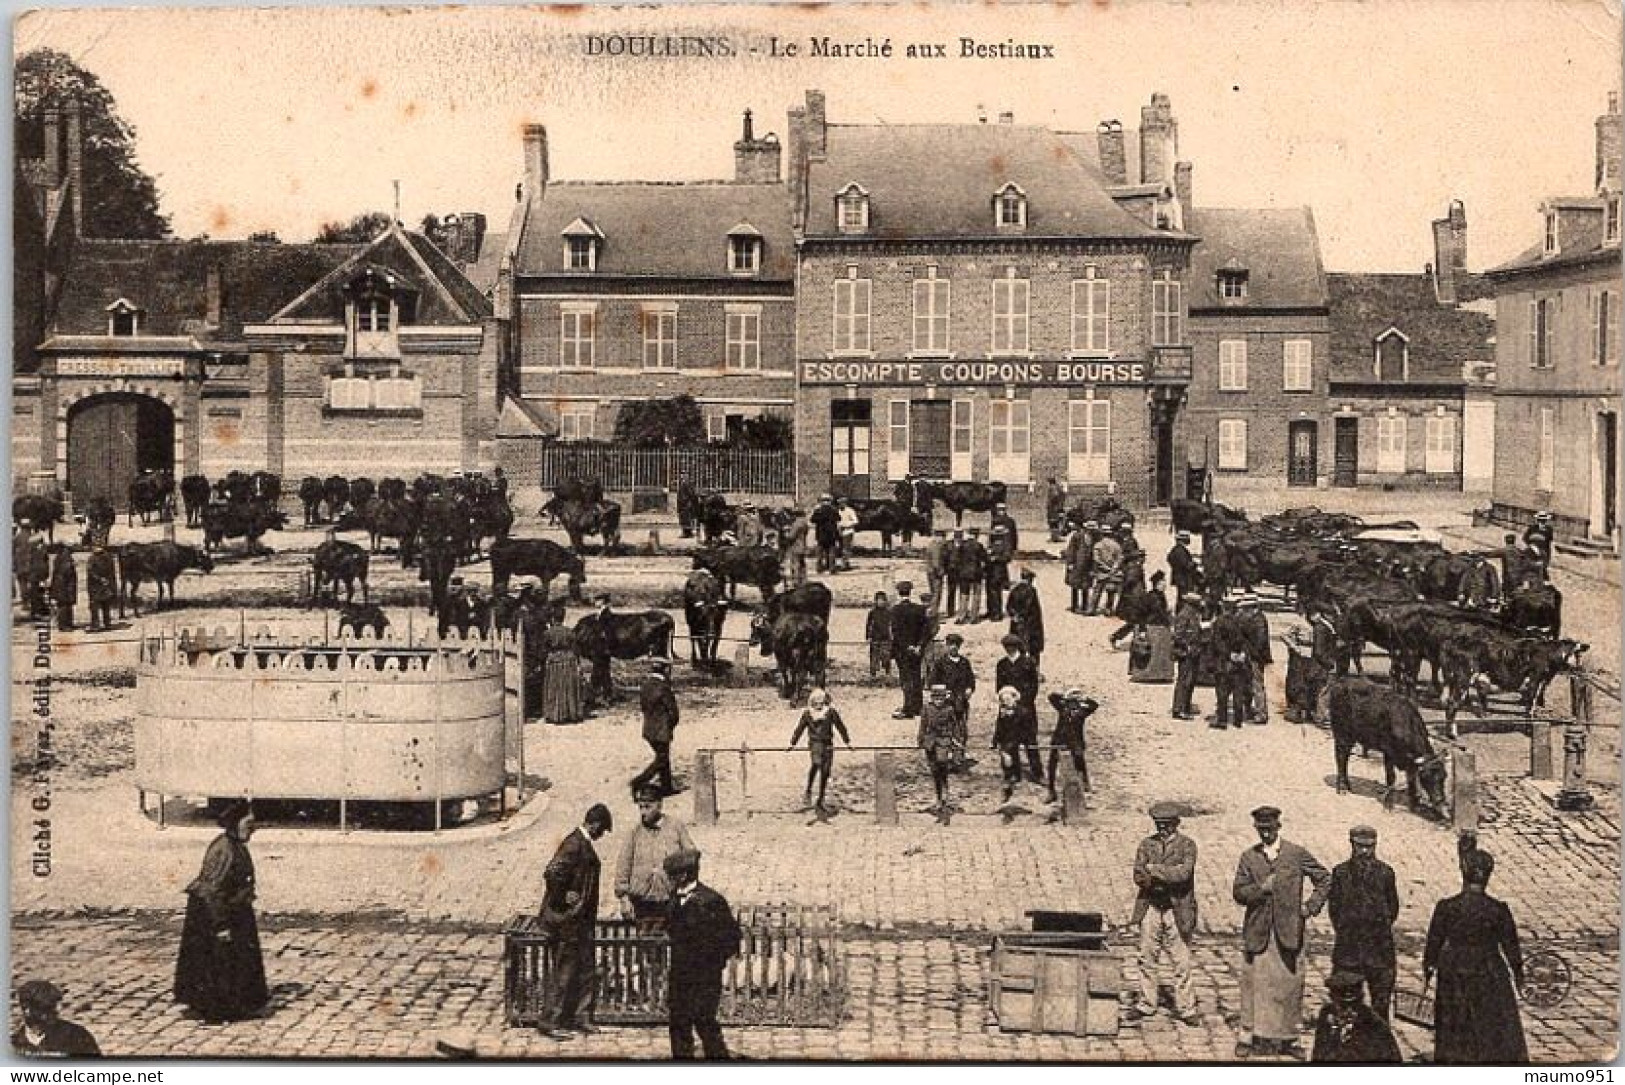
point(1473, 947)
point(221, 973)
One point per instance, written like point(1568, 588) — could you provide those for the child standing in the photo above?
point(822, 723)
point(1073, 711)
point(877, 630)
point(1016, 727)
point(938, 724)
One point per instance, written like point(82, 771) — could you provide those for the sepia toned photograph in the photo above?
point(945, 533)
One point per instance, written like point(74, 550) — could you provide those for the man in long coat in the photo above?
point(1027, 615)
point(101, 575)
point(996, 578)
point(936, 566)
point(1269, 885)
point(1183, 570)
point(704, 935)
point(910, 629)
point(64, 586)
point(1259, 656)
point(569, 911)
point(1363, 905)
point(660, 717)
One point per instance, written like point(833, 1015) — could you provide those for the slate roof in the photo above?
point(665, 230)
point(939, 180)
point(1442, 337)
point(1583, 244)
point(1279, 248)
point(483, 271)
point(445, 296)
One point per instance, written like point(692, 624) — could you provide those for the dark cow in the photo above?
point(1536, 607)
point(602, 637)
point(490, 517)
point(1312, 523)
point(392, 489)
point(310, 499)
point(360, 617)
point(194, 496)
point(1107, 512)
point(265, 486)
point(541, 558)
point(362, 491)
point(1305, 679)
point(959, 497)
point(1363, 713)
point(735, 565)
point(812, 598)
point(582, 518)
point(704, 611)
point(716, 516)
point(335, 495)
point(159, 562)
point(1521, 665)
point(890, 519)
point(338, 562)
point(385, 518)
point(151, 494)
point(799, 644)
point(37, 512)
point(247, 520)
point(1199, 517)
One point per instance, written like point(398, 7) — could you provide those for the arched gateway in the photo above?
point(112, 438)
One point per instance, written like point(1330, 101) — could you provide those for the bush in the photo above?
point(660, 423)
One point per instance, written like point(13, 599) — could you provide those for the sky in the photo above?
point(1375, 115)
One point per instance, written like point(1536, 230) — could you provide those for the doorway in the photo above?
point(849, 435)
point(1162, 489)
point(1605, 475)
point(1346, 452)
point(111, 440)
point(930, 438)
point(1301, 440)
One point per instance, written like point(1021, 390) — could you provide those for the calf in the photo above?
point(1473, 666)
point(334, 562)
point(735, 565)
point(1379, 719)
point(799, 644)
point(890, 519)
point(160, 562)
point(359, 617)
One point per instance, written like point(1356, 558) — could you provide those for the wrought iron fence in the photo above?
point(732, 470)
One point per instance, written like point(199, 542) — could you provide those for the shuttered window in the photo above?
point(1232, 444)
point(1089, 439)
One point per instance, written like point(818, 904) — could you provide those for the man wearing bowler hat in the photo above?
point(1269, 885)
point(1165, 912)
point(1363, 905)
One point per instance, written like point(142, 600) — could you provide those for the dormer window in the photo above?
point(1391, 356)
point(1610, 217)
point(1010, 208)
point(1232, 283)
point(581, 242)
point(377, 302)
point(123, 318)
point(744, 250)
point(852, 209)
point(1549, 247)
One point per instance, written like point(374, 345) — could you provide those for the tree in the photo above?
point(654, 423)
point(120, 198)
point(765, 432)
point(265, 237)
point(364, 227)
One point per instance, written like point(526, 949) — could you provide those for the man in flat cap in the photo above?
point(660, 719)
point(43, 1031)
point(970, 562)
point(1027, 614)
point(1165, 912)
point(910, 630)
point(1002, 518)
point(936, 566)
point(704, 935)
point(640, 878)
point(1363, 905)
point(1183, 570)
point(1349, 1031)
point(996, 578)
point(1259, 656)
point(1269, 885)
point(953, 670)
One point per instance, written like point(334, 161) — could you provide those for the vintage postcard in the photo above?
point(953, 532)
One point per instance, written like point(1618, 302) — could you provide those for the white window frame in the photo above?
point(349, 393)
point(578, 421)
point(844, 448)
point(590, 249)
point(1232, 444)
point(1091, 313)
point(1440, 454)
point(1232, 365)
point(1012, 315)
point(573, 317)
point(748, 247)
point(1391, 443)
point(934, 316)
point(1007, 198)
point(852, 198)
point(853, 296)
point(1541, 313)
point(1167, 310)
point(744, 338)
point(1546, 462)
point(1549, 243)
point(961, 431)
point(1010, 440)
point(716, 426)
point(1298, 365)
point(1089, 439)
point(659, 348)
point(897, 438)
point(1232, 285)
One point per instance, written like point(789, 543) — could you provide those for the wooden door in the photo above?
point(103, 458)
point(849, 436)
point(1346, 452)
point(929, 439)
point(1301, 440)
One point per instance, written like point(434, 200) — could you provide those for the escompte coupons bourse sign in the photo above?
point(991, 373)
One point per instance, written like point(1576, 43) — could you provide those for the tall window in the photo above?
point(1232, 444)
point(744, 254)
point(1009, 440)
point(959, 449)
point(1297, 365)
point(1610, 221)
point(931, 298)
point(852, 210)
point(576, 421)
point(849, 437)
point(660, 338)
point(579, 253)
point(1391, 444)
point(1010, 308)
point(372, 315)
point(1605, 327)
point(1540, 333)
point(1550, 244)
point(1010, 207)
point(897, 439)
point(1167, 310)
point(1232, 365)
point(1441, 446)
point(577, 349)
point(1091, 312)
point(1545, 466)
point(1089, 440)
point(744, 337)
point(851, 314)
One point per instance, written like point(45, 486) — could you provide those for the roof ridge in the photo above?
point(705, 182)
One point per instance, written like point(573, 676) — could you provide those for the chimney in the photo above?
point(1182, 190)
point(470, 236)
point(1159, 141)
point(76, 159)
point(211, 289)
point(535, 160)
point(1450, 253)
point(53, 146)
point(817, 127)
point(797, 119)
point(1113, 157)
point(1007, 118)
point(1608, 146)
point(756, 161)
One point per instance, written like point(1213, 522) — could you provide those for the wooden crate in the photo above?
point(1054, 983)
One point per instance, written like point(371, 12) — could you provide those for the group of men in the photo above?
point(1229, 640)
point(966, 577)
point(1361, 899)
point(46, 580)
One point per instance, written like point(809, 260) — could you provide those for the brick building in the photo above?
point(624, 291)
point(1259, 343)
point(1557, 360)
point(988, 302)
point(1404, 351)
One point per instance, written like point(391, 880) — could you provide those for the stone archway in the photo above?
point(113, 436)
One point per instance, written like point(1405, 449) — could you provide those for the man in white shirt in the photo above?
point(640, 875)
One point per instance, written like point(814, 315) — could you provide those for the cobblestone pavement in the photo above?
point(378, 942)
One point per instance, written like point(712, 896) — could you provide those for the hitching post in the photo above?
point(1540, 749)
point(885, 787)
point(1575, 795)
point(1464, 790)
point(1072, 801)
point(705, 788)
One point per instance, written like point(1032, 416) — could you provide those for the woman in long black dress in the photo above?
point(1473, 946)
point(221, 973)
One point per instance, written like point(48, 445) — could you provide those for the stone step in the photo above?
point(1586, 548)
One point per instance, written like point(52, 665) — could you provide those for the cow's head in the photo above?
point(1431, 774)
point(761, 633)
point(202, 560)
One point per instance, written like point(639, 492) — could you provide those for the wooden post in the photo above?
point(1540, 749)
point(1463, 790)
point(705, 788)
point(1072, 801)
point(741, 671)
point(885, 787)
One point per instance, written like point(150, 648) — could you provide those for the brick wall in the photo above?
point(1369, 410)
point(618, 332)
point(26, 416)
